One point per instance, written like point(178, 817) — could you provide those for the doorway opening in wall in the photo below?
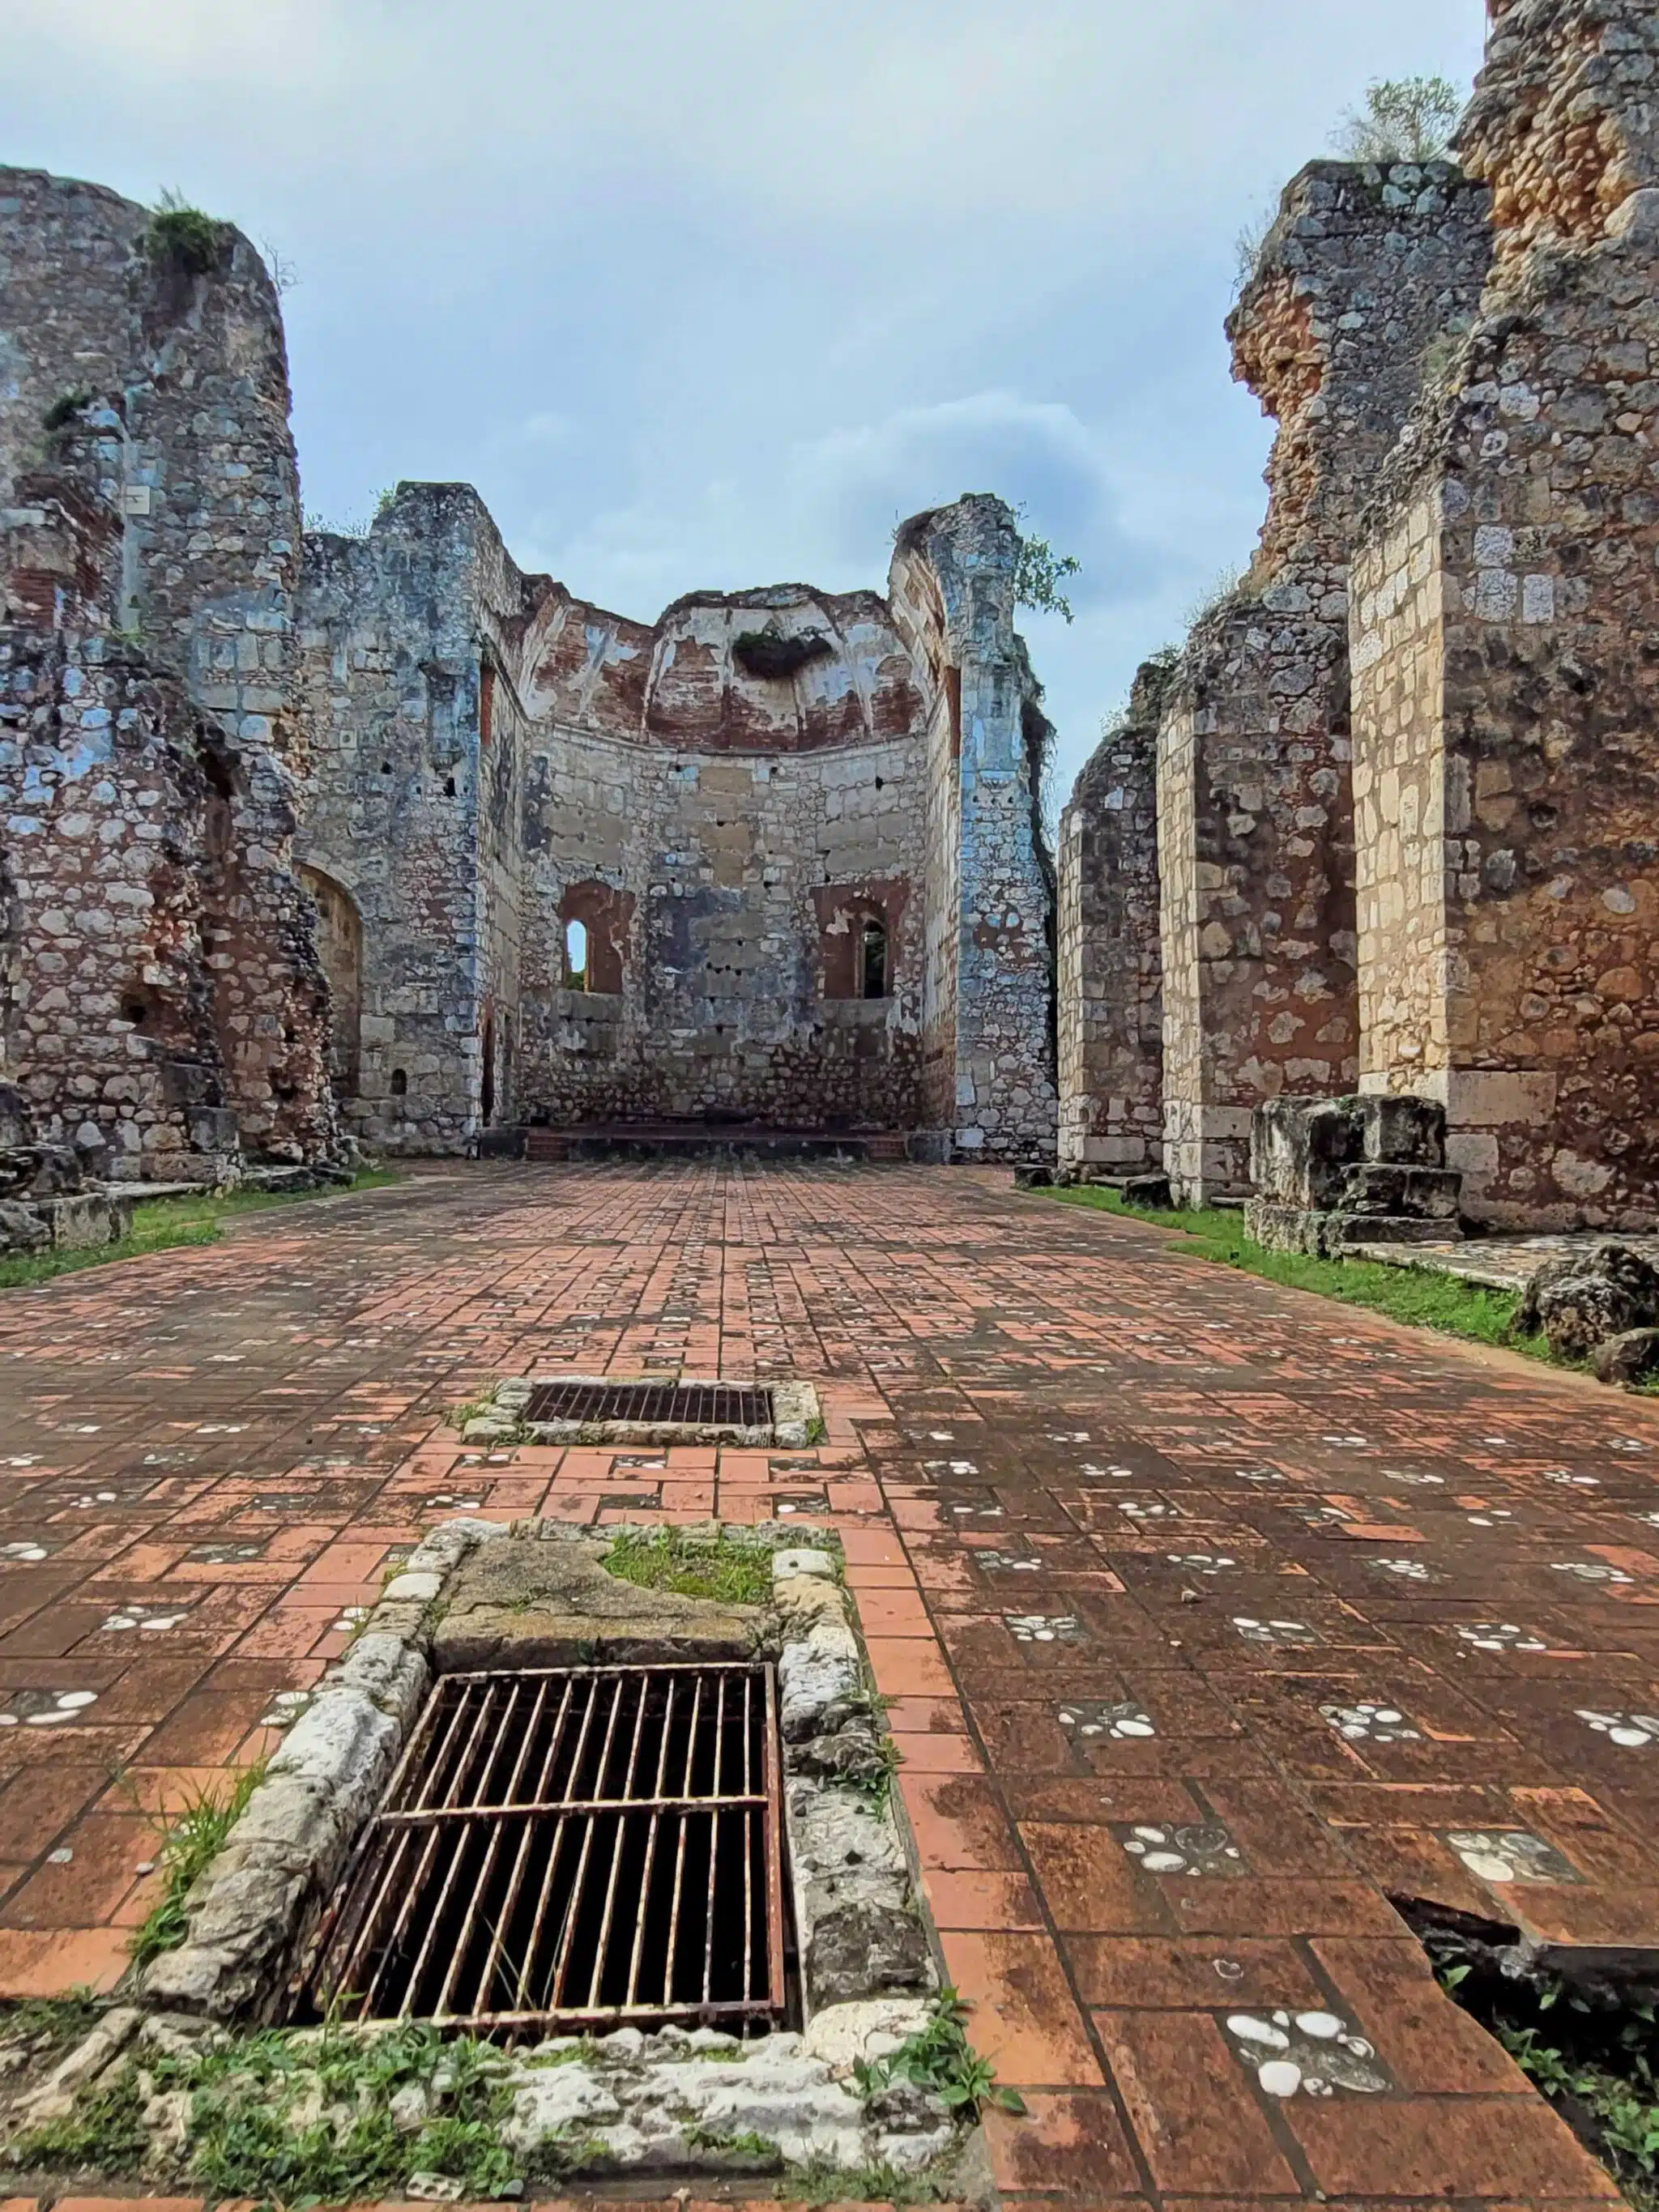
point(575, 956)
point(573, 1848)
point(873, 963)
point(487, 1087)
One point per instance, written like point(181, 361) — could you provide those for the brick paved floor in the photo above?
point(1213, 1614)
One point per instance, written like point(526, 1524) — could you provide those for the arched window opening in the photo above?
point(399, 1083)
point(873, 959)
point(575, 956)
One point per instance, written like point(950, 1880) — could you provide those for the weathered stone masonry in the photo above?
point(1506, 656)
point(1111, 969)
point(1361, 273)
point(163, 995)
point(748, 818)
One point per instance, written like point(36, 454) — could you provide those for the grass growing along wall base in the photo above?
point(1417, 1295)
point(159, 1224)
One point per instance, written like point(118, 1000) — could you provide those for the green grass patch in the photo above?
point(1415, 1295)
point(188, 1841)
point(288, 2119)
point(693, 1566)
point(160, 1224)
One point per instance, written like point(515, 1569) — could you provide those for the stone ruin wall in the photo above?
point(164, 996)
point(1507, 688)
point(1363, 270)
point(724, 842)
point(1110, 966)
point(991, 882)
point(408, 818)
point(493, 759)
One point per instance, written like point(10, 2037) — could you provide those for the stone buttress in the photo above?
point(1110, 971)
point(1506, 697)
point(1361, 274)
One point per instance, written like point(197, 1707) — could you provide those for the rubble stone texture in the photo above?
point(1506, 765)
point(1363, 270)
point(1110, 971)
point(773, 859)
point(162, 993)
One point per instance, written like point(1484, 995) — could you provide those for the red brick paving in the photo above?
point(244, 1436)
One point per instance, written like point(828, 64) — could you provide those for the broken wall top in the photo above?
point(783, 668)
point(1362, 270)
point(1563, 126)
point(147, 373)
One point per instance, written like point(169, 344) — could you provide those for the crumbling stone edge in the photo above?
point(250, 1909)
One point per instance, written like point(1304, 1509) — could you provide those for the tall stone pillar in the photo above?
point(1363, 271)
point(1506, 708)
point(987, 1001)
point(1110, 997)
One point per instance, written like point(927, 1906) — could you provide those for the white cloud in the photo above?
point(711, 295)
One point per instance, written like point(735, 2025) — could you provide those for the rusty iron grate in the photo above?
point(710, 1405)
point(570, 1847)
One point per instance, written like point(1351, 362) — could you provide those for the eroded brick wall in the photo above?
point(1110, 969)
point(1507, 690)
point(1364, 272)
point(148, 735)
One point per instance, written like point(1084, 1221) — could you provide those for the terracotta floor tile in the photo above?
point(1070, 2146)
point(1189, 1972)
point(1465, 2147)
point(1023, 2018)
point(958, 1823)
point(1193, 2112)
point(969, 1899)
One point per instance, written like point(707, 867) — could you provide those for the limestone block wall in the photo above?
point(1507, 765)
point(1109, 967)
point(151, 505)
point(416, 737)
point(951, 587)
point(1365, 272)
point(732, 793)
point(732, 875)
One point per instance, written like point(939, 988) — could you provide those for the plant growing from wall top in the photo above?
point(182, 237)
point(1409, 118)
point(1039, 573)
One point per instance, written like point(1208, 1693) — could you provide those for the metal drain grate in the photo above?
point(570, 1847)
point(702, 1405)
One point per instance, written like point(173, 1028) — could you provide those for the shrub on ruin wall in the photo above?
point(181, 237)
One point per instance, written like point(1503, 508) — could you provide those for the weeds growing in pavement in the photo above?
point(693, 1566)
point(1595, 2059)
point(188, 1841)
point(939, 2058)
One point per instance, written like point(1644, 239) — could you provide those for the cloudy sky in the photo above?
point(714, 294)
